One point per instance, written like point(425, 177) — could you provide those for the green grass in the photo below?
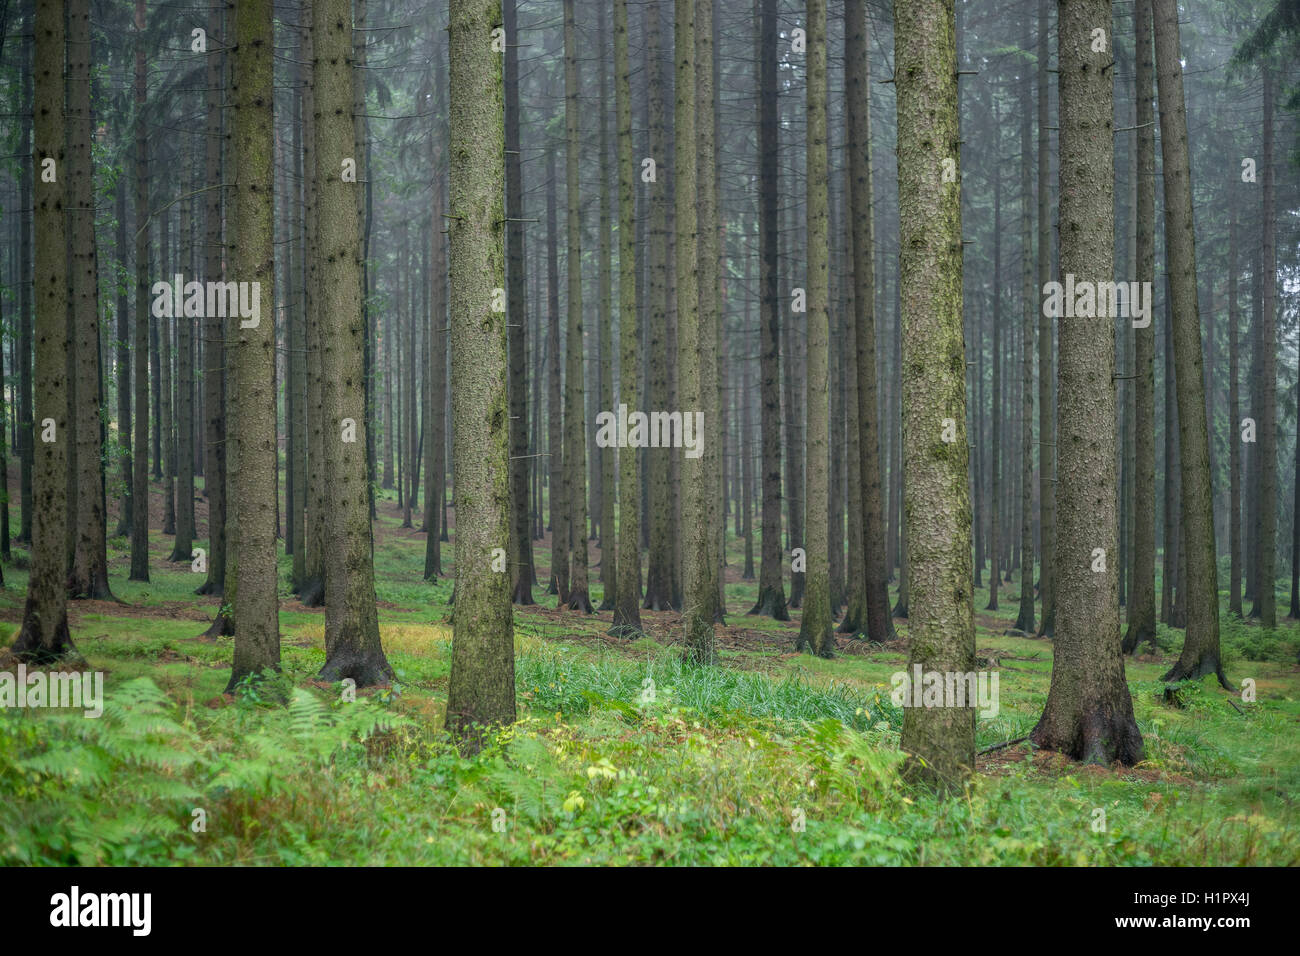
point(622, 753)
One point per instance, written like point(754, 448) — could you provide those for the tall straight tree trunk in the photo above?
point(256, 600)
point(1089, 713)
point(771, 586)
point(312, 590)
point(708, 351)
point(352, 648)
point(606, 456)
point(1046, 367)
point(167, 255)
point(26, 436)
point(939, 741)
point(183, 452)
point(89, 577)
point(627, 613)
point(436, 414)
point(140, 465)
point(575, 433)
point(1201, 596)
point(995, 456)
point(1266, 522)
point(559, 508)
point(122, 360)
point(700, 588)
point(1142, 601)
point(1029, 312)
point(214, 333)
point(44, 635)
point(815, 623)
point(522, 553)
point(1234, 424)
point(878, 624)
point(659, 562)
point(481, 691)
point(297, 401)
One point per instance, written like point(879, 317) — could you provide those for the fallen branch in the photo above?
point(1005, 743)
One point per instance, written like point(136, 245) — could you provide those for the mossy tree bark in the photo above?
point(627, 613)
point(481, 690)
point(1089, 713)
point(352, 646)
point(940, 741)
point(1199, 597)
point(815, 623)
point(253, 488)
point(44, 634)
point(1142, 600)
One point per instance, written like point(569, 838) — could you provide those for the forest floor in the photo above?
point(621, 754)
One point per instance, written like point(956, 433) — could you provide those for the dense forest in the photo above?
point(753, 432)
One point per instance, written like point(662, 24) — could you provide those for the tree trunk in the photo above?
point(771, 586)
point(214, 351)
point(1142, 600)
point(140, 465)
point(1029, 311)
point(627, 613)
point(575, 433)
point(256, 601)
point(815, 623)
point(1201, 596)
point(559, 584)
point(352, 647)
point(481, 690)
point(659, 563)
point(1046, 369)
point(44, 635)
point(1089, 713)
point(1266, 519)
point(939, 741)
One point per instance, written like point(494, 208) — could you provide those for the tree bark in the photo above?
point(1089, 713)
point(939, 741)
point(627, 613)
point(815, 623)
point(256, 601)
point(44, 635)
point(1142, 600)
point(771, 587)
point(481, 690)
point(1200, 654)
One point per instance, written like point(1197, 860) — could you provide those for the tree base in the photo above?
point(222, 626)
point(28, 647)
point(312, 593)
point(579, 601)
point(771, 603)
point(1206, 663)
point(367, 668)
point(1103, 734)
